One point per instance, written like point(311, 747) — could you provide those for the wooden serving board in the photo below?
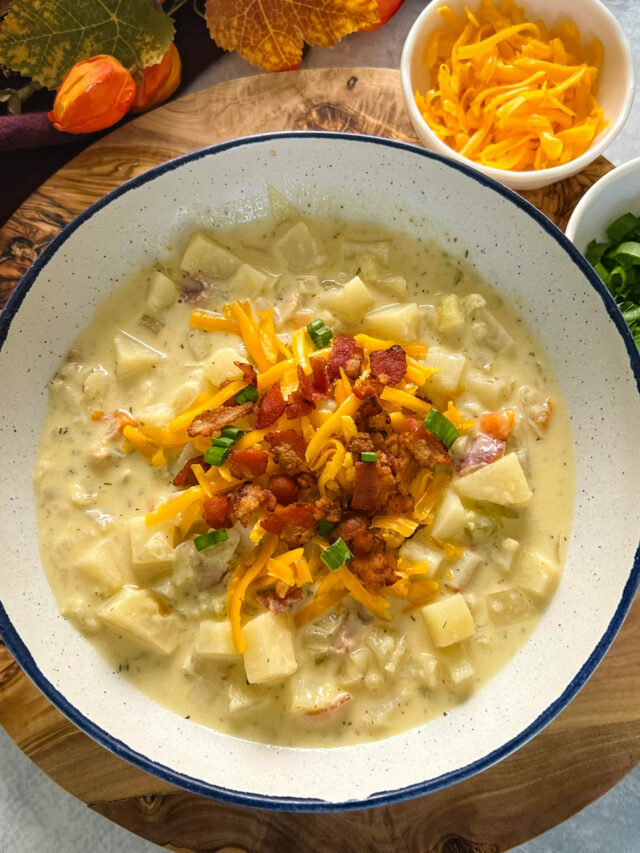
point(584, 752)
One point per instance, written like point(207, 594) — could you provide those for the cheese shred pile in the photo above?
point(510, 93)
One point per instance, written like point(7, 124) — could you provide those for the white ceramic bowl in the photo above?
point(616, 193)
point(615, 92)
point(534, 267)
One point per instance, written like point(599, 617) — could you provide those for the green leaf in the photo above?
point(43, 39)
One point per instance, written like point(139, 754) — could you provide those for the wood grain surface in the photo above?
point(585, 751)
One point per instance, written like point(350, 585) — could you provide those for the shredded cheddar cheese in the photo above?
point(510, 93)
point(211, 322)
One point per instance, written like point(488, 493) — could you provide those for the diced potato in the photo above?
point(399, 322)
point(387, 645)
point(247, 281)
point(463, 570)
point(204, 257)
point(133, 356)
point(200, 343)
point(298, 249)
point(270, 655)
point(215, 640)
point(510, 606)
point(395, 285)
point(449, 369)
point(244, 699)
point(136, 613)
point(448, 620)
point(451, 518)
point(96, 385)
point(491, 391)
point(81, 611)
point(156, 416)
point(103, 565)
point(428, 670)
point(450, 314)
point(221, 366)
point(460, 668)
point(508, 548)
point(502, 482)
point(281, 207)
point(310, 693)
point(152, 551)
point(162, 293)
point(350, 302)
point(537, 574)
point(484, 631)
point(379, 249)
point(418, 549)
point(188, 391)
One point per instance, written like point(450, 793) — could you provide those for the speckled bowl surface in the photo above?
point(531, 264)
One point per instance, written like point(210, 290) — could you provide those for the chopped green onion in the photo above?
point(222, 441)
point(319, 333)
point(595, 251)
point(622, 227)
point(602, 272)
point(628, 252)
point(216, 455)
point(214, 537)
point(336, 555)
point(441, 427)
point(232, 432)
point(617, 277)
point(247, 395)
point(368, 456)
point(325, 527)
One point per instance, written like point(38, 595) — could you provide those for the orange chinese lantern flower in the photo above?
point(158, 82)
point(95, 94)
point(386, 10)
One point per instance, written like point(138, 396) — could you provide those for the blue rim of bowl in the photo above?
point(381, 798)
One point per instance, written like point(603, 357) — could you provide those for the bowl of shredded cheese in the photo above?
point(528, 94)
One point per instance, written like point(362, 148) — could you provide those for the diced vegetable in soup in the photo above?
point(309, 482)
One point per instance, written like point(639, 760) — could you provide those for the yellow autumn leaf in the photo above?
point(271, 33)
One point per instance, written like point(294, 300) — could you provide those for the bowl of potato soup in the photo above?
point(320, 471)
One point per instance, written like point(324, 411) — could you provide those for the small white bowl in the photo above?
point(617, 193)
point(615, 89)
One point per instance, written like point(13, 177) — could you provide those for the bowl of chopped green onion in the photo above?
point(605, 227)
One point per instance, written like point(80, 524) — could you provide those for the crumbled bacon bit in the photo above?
point(369, 562)
point(270, 407)
point(305, 480)
point(321, 385)
point(284, 488)
point(361, 443)
point(217, 511)
point(373, 570)
point(371, 417)
point(310, 389)
point(248, 464)
point(329, 509)
point(426, 449)
point(288, 448)
point(249, 375)
point(389, 365)
point(270, 599)
point(374, 484)
point(484, 449)
point(345, 354)
point(248, 499)
point(213, 420)
point(294, 523)
point(369, 387)
point(185, 476)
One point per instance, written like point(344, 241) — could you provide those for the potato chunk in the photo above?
point(448, 620)
point(215, 640)
point(450, 314)
point(418, 549)
point(298, 250)
point(221, 366)
point(451, 518)
point(350, 302)
point(204, 257)
point(152, 551)
point(132, 356)
point(311, 694)
point(502, 482)
point(103, 566)
point(536, 574)
point(399, 322)
point(247, 281)
point(270, 655)
point(136, 613)
point(449, 369)
point(162, 293)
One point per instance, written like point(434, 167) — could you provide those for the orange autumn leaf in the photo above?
point(271, 33)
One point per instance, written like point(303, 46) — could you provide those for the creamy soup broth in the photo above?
point(496, 556)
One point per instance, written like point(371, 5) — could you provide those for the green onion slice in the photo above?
point(441, 427)
point(216, 455)
point(602, 272)
point(595, 251)
point(232, 432)
point(336, 555)
point(628, 252)
point(622, 227)
point(247, 395)
point(319, 333)
point(368, 456)
point(214, 537)
point(325, 527)
point(222, 441)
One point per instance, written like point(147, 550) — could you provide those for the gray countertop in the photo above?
point(37, 815)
